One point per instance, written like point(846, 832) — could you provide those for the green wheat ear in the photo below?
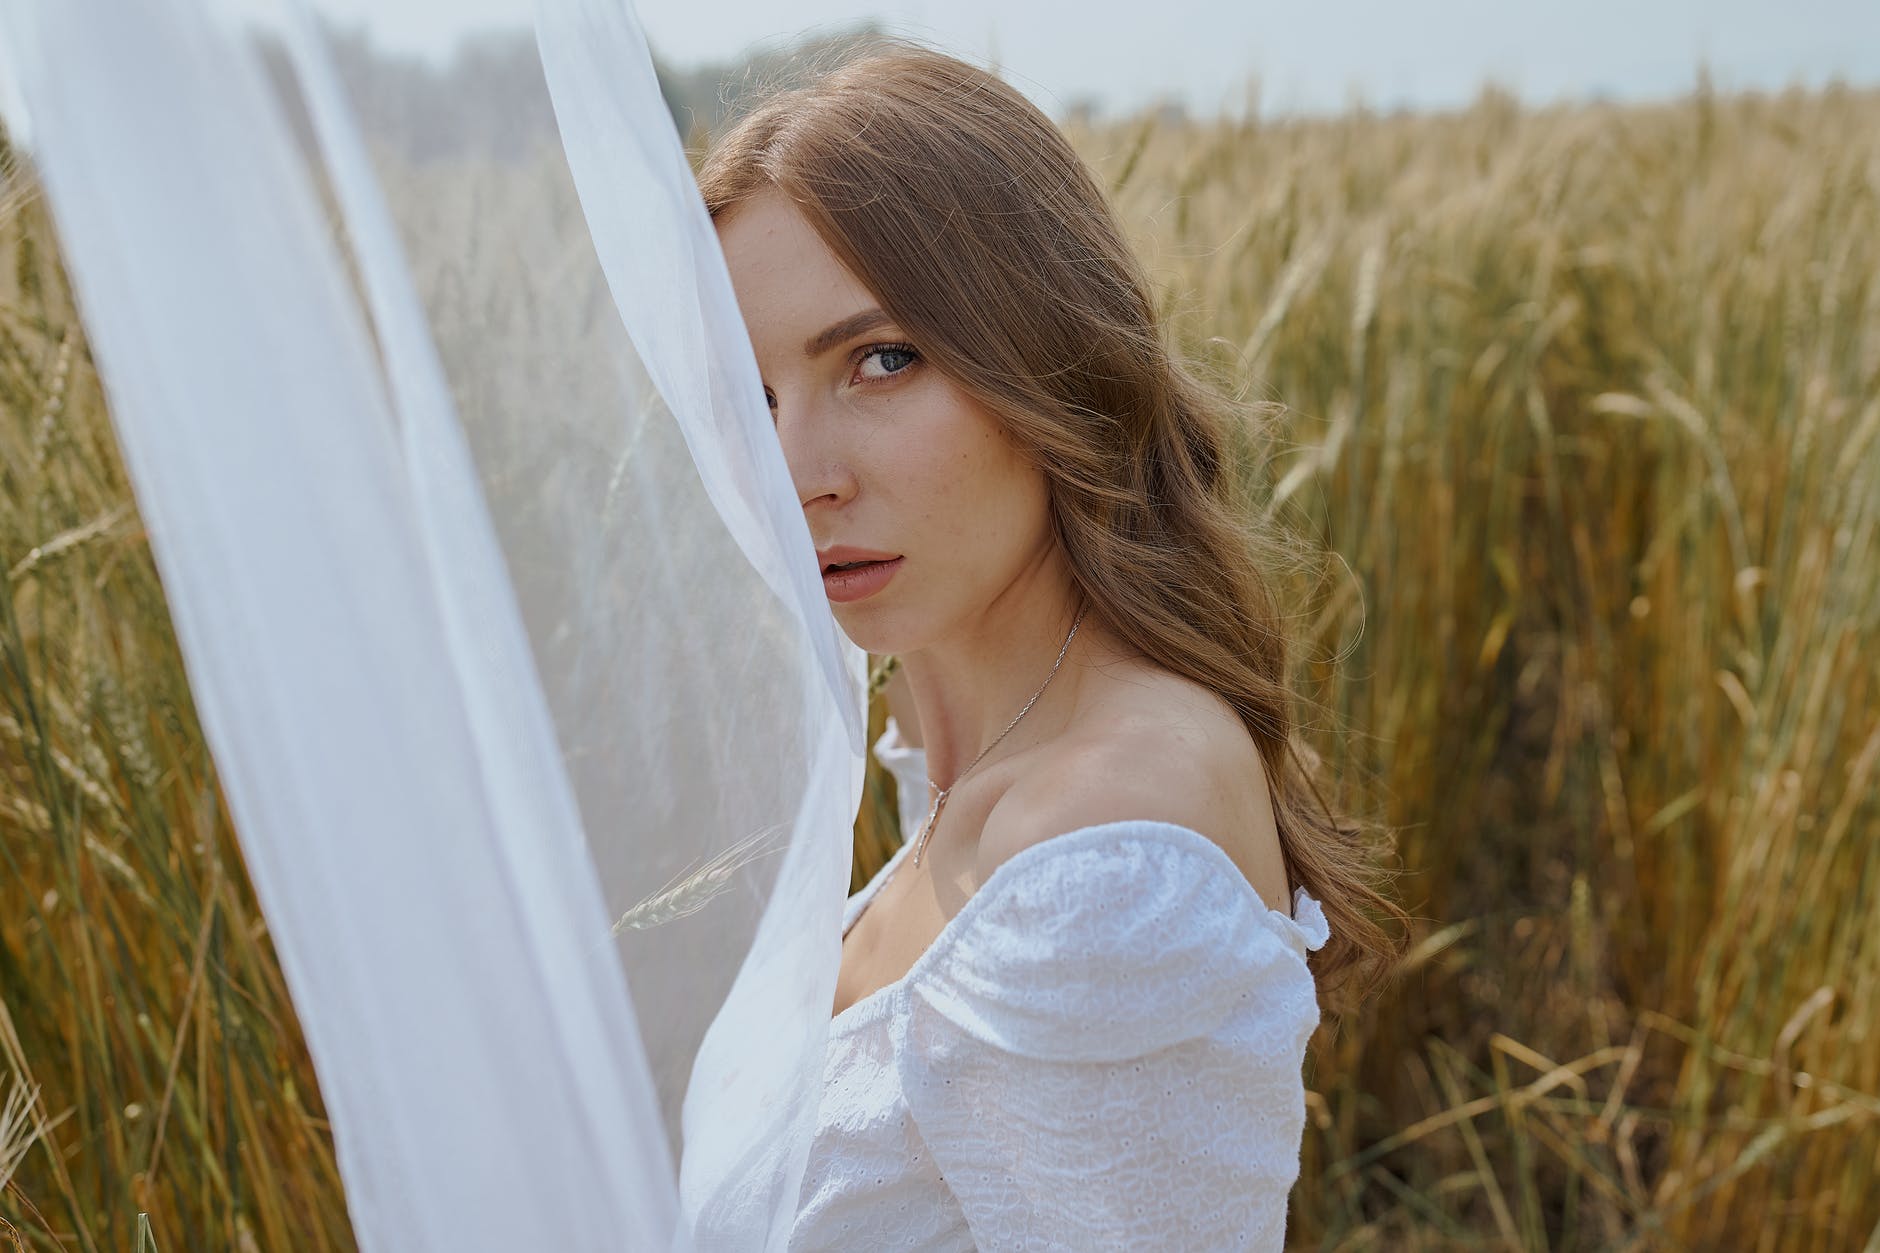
point(879, 676)
point(689, 892)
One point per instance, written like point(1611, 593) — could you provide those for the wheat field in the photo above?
point(1583, 404)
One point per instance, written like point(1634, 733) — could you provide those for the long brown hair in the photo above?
point(968, 214)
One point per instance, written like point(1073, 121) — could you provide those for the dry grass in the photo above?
point(1586, 402)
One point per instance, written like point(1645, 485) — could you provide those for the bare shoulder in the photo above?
point(1173, 753)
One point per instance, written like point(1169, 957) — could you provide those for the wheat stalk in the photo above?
point(17, 1131)
point(690, 892)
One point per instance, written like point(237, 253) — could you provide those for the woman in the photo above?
point(1072, 1009)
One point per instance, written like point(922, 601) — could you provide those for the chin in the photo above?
point(871, 631)
point(865, 635)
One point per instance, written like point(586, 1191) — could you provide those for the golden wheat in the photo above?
point(1585, 402)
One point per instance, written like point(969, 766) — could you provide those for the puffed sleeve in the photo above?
point(1108, 1053)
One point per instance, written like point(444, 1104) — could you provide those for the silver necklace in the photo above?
point(941, 793)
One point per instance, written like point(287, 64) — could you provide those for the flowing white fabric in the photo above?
point(487, 571)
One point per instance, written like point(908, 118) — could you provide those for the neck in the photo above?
point(969, 684)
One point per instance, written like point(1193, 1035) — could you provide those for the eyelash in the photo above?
point(864, 355)
point(872, 349)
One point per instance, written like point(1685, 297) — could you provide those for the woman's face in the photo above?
point(887, 454)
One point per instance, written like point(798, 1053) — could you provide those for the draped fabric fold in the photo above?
point(494, 593)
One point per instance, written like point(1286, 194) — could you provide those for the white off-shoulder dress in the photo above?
point(1101, 1050)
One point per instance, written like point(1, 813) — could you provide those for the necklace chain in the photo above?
point(933, 814)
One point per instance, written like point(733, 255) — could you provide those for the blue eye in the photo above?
point(894, 359)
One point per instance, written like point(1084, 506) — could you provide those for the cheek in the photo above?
point(970, 489)
point(957, 452)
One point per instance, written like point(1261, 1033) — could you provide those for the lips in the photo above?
point(846, 586)
point(842, 554)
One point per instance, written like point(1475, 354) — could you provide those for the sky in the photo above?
point(1309, 57)
point(1234, 56)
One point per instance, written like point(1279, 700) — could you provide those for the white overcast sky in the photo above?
point(1311, 55)
point(1314, 56)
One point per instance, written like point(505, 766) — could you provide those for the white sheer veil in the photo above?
point(495, 596)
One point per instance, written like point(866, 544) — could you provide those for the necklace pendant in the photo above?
point(933, 816)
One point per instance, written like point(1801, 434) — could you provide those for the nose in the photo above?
point(819, 465)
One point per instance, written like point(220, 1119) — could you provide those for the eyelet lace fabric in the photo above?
point(1101, 1050)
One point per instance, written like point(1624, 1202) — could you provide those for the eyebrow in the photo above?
point(824, 340)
